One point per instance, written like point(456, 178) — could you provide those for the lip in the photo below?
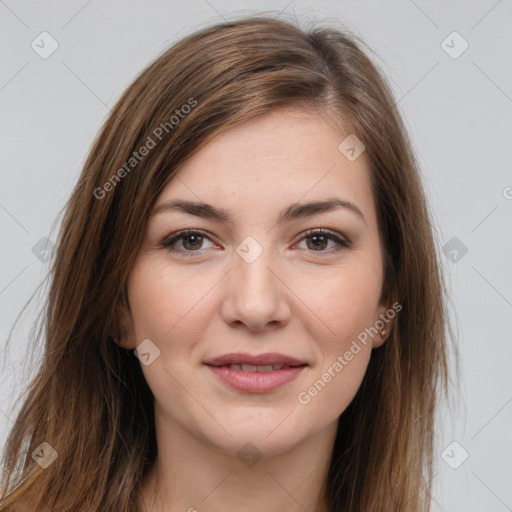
point(254, 381)
point(260, 359)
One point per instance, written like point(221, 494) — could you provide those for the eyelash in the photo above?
point(169, 242)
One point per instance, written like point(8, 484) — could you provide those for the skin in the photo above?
point(294, 299)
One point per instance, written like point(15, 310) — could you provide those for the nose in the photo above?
point(256, 295)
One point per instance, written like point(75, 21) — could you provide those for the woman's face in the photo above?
point(257, 285)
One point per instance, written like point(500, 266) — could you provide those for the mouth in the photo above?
point(247, 362)
point(256, 373)
point(262, 368)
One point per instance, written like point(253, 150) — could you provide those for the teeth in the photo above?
point(256, 368)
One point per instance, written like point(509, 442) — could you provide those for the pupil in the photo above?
point(194, 238)
point(320, 239)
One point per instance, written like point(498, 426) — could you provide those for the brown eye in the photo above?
point(318, 241)
point(192, 241)
point(186, 242)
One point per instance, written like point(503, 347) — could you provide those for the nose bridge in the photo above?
point(253, 279)
point(255, 295)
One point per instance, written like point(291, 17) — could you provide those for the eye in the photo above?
point(189, 241)
point(317, 240)
point(185, 242)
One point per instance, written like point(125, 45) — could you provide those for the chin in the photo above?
point(267, 432)
point(251, 442)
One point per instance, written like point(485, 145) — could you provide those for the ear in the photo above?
point(383, 324)
point(125, 332)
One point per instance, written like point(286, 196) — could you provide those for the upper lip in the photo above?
point(256, 360)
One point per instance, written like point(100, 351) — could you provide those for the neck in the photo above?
point(192, 475)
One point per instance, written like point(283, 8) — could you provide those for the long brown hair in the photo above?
point(89, 400)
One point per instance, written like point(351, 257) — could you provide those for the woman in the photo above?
point(246, 306)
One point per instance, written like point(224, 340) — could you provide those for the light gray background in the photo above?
point(458, 111)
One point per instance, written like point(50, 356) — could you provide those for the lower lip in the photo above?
point(256, 382)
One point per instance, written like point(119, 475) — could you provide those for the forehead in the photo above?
point(285, 156)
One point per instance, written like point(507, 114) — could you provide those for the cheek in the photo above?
point(345, 303)
point(342, 363)
point(165, 303)
point(170, 308)
point(332, 390)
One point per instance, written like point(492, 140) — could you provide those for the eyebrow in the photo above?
point(292, 212)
